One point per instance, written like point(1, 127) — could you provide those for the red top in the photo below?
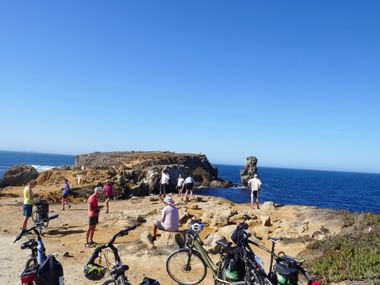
point(93, 209)
point(107, 189)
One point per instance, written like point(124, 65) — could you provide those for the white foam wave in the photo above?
point(41, 168)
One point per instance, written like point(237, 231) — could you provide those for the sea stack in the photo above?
point(249, 169)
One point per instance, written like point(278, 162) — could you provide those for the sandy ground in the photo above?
point(67, 235)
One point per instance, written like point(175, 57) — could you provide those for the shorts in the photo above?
point(92, 221)
point(254, 194)
point(27, 210)
point(163, 188)
point(159, 225)
point(189, 186)
point(65, 195)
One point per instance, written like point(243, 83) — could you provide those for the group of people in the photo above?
point(184, 186)
point(169, 220)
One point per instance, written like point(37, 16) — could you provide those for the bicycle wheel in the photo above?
point(35, 216)
point(31, 262)
point(186, 267)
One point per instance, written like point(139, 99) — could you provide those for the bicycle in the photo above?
point(96, 271)
point(39, 269)
point(188, 265)
point(41, 214)
point(284, 271)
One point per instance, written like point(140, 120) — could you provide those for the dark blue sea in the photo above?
point(355, 192)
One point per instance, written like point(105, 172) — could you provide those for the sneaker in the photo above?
point(69, 206)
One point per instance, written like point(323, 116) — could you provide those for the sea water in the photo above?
point(357, 192)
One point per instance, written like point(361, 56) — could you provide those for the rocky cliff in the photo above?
point(140, 172)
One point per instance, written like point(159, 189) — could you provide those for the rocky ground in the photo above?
point(65, 235)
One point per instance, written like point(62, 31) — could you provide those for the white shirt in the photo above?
point(165, 178)
point(189, 180)
point(180, 182)
point(254, 183)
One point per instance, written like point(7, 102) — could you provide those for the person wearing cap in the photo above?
point(27, 206)
point(255, 185)
point(169, 218)
point(108, 193)
point(93, 215)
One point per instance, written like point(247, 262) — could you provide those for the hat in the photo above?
point(98, 189)
point(169, 200)
point(255, 175)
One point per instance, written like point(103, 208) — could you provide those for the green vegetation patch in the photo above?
point(351, 257)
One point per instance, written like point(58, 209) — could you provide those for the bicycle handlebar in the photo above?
point(34, 229)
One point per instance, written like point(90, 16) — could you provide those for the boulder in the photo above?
point(227, 231)
point(210, 243)
point(249, 169)
point(220, 184)
point(19, 175)
point(170, 239)
point(268, 206)
point(265, 220)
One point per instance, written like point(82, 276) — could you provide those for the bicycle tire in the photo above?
point(31, 262)
point(35, 217)
point(179, 269)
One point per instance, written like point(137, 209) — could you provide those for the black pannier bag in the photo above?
point(286, 269)
point(51, 272)
point(149, 281)
point(43, 209)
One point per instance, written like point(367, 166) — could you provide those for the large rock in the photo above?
point(249, 169)
point(18, 175)
point(146, 167)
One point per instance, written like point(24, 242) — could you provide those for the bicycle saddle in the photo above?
point(274, 240)
point(119, 269)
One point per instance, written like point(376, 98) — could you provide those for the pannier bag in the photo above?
point(51, 272)
point(149, 281)
point(234, 269)
point(43, 209)
point(286, 270)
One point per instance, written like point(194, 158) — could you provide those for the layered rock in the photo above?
point(18, 175)
point(141, 171)
point(249, 169)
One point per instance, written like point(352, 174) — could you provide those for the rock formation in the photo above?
point(18, 175)
point(141, 171)
point(249, 169)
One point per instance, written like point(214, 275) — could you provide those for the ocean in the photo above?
point(355, 192)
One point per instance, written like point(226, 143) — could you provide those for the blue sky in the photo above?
point(295, 83)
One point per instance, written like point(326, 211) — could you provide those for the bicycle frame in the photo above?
point(193, 241)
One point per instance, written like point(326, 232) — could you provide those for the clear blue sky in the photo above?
point(296, 83)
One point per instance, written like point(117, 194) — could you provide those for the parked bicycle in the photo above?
point(188, 265)
point(40, 216)
point(94, 270)
point(39, 268)
point(283, 269)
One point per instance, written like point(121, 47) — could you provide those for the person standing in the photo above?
point(93, 216)
point(164, 182)
point(108, 193)
point(27, 206)
point(188, 185)
point(255, 185)
point(180, 185)
point(169, 218)
point(65, 194)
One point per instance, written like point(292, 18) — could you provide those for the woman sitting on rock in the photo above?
point(169, 218)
